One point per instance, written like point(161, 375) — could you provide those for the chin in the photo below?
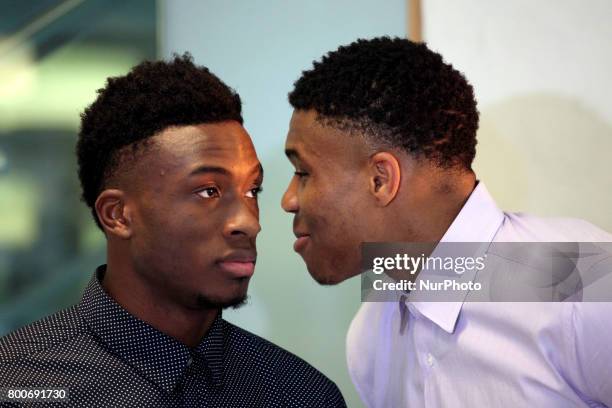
point(234, 301)
point(327, 278)
point(333, 268)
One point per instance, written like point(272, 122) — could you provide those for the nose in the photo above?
point(289, 202)
point(243, 221)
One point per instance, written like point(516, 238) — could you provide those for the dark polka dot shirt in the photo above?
point(106, 357)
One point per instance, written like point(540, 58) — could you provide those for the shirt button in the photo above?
point(429, 359)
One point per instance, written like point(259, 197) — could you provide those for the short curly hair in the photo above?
point(130, 109)
point(397, 93)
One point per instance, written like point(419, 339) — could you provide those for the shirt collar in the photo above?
point(155, 355)
point(478, 221)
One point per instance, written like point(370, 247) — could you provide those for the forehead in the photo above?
point(314, 141)
point(224, 143)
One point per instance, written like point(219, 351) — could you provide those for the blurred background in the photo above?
point(541, 71)
point(53, 56)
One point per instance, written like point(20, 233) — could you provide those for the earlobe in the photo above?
point(113, 213)
point(385, 177)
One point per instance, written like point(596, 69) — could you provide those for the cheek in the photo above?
point(179, 231)
point(332, 212)
point(336, 222)
point(334, 219)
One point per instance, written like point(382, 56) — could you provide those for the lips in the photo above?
point(239, 264)
point(301, 242)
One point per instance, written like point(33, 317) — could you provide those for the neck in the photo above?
point(140, 299)
point(433, 213)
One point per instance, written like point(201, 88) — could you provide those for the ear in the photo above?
point(385, 177)
point(113, 213)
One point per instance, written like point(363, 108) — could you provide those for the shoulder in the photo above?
point(527, 227)
point(42, 335)
point(274, 364)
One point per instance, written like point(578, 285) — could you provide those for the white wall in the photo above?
point(541, 70)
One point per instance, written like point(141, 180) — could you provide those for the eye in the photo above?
point(254, 192)
point(209, 192)
point(300, 174)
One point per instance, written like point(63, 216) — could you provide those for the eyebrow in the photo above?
point(258, 168)
point(222, 170)
point(209, 169)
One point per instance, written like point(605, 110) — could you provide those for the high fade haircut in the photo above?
point(132, 108)
point(396, 93)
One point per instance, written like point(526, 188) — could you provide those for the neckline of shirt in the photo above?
point(478, 221)
point(160, 358)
